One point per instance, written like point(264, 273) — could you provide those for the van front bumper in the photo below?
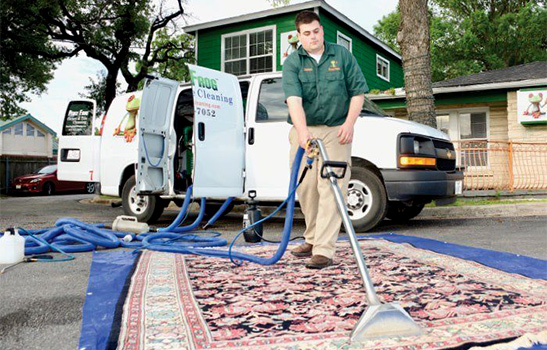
point(422, 185)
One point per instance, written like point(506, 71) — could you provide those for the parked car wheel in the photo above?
point(144, 208)
point(366, 199)
point(401, 212)
point(48, 189)
point(90, 187)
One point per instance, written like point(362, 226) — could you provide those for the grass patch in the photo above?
point(465, 202)
point(102, 196)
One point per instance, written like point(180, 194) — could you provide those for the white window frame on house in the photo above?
point(7, 131)
point(454, 128)
point(39, 133)
point(382, 60)
point(223, 37)
point(22, 129)
point(32, 128)
point(345, 37)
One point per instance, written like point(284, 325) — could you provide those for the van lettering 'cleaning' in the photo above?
point(211, 84)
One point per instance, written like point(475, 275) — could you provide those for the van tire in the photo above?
point(401, 212)
point(366, 199)
point(144, 208)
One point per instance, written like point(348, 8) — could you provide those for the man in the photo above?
point(324, 88)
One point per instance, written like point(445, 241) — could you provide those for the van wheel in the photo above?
point(144, 208)
point(401, 212)
point(366, 199)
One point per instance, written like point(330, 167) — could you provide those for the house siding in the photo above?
point(209, 46)
point(24, 145)
point(365, 53)
point(209, 40)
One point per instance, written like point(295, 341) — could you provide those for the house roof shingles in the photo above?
point(528, 71)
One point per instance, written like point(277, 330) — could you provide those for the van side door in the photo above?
point(267, 156)
point(157, 139)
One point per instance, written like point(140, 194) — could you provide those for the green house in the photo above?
point(259, 42)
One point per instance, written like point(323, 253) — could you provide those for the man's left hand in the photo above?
point(345, 133)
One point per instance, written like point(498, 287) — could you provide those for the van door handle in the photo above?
point(251, 138)
point(201, 131)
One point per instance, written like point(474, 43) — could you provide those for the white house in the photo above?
point(26, 136)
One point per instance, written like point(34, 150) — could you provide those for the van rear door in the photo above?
point(157, 136)
point(219, 139)
point(79, 144)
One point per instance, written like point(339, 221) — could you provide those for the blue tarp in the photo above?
point(109, 279)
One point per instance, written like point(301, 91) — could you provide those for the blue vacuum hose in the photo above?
point(71, 235)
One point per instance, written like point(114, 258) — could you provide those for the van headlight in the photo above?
point(416, 151)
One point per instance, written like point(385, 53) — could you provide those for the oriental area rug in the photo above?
point(175, 301)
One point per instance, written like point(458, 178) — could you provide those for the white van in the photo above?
point(397, 166)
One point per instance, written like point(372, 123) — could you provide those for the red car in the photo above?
point(45, 181)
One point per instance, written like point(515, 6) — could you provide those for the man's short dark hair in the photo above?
point(305, 17)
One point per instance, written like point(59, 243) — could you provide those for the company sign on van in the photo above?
point(209, 91)
point(78, 119)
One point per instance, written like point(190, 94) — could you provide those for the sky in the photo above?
point(72, 75)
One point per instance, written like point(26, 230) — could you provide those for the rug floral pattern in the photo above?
point(178, 302)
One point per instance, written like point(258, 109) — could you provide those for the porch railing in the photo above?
point(502, 165)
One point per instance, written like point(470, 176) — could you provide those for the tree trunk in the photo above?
point(110, 87)
point(413, 38)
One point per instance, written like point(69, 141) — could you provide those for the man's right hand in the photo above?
point(298, 117)
point(303, 137)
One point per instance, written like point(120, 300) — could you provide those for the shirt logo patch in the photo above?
point(306, 69)
point(333, 66)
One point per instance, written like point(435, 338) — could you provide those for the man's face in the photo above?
point(311, 36)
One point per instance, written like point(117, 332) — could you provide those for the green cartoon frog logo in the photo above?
point(130, 119)
point(534, 108)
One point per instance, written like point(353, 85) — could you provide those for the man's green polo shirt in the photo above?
point(327, 87)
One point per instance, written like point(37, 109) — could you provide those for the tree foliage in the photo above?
point(96, 91)
point(119, 34)
point(470, 36)
point(21, 74)
point(174, 51)
point(279, 3)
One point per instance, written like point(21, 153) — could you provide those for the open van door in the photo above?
point(80, 142)
point(219, 139)
point(157, 140)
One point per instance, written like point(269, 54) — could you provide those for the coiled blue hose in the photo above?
point(72, 235)
point(193, 247)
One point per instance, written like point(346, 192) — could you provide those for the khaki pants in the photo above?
point(315, 193)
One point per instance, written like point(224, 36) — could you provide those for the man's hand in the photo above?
point(303, 136)
point(345, 133)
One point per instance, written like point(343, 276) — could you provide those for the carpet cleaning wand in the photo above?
point(379, 320)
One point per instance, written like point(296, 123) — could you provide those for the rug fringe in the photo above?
point(526, 341)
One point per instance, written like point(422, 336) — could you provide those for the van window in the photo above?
point(271, 102)
point(78, 119)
